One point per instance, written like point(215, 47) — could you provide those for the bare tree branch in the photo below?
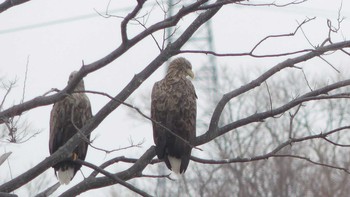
point(25, 80)
point(4, 156)
point(158, 176)
point(251, 52)
point(204, 10)
point(313, 162)
point(7, 195)
point(49, 190)
point(92, 183)
point(120, 159)
point(66, 150)
point(292, 116)
point(142, 114)
point(8, 89)
point(274, 152)
point(214, 131)
point(10, 3)
point(112, 176)
point(128, 18)
point(132, 145)
point(138, 79)
point(274, 3)
point(244, 54)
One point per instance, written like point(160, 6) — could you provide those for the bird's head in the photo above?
point(80, 86)
point(180, 67)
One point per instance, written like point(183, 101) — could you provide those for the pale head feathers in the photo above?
point(80, 86)
point(180, 67)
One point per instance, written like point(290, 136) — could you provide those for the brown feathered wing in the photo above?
point(66, 116)
point(173, 106)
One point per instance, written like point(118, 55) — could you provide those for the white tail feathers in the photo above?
point(65, 176)
point(175, 164)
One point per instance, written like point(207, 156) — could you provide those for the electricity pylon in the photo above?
point(202, 40)
point(206, 75)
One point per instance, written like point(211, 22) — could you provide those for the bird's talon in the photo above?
point(74, 156)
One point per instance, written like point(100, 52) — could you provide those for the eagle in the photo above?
point(67, 116)
point(174, 108)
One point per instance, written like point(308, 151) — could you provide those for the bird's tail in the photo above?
point(65, 175)
point(175, 164)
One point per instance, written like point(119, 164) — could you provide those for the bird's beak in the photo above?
point(190, 73)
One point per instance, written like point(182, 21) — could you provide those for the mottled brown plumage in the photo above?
point(66, 115)
point(174, 106)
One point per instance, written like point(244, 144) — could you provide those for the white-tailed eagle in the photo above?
point(174, 107)
point(67, 116)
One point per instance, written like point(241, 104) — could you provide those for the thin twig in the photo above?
point(108, 108)
point(244, 54)
point(120, 159)
point(158, 176)
point(269, 93)
point(25, 80)
point(292, 116)
point(282, 35)
point(214, 130)
point(273, 4)
point(84, 137)
point(154, 39)
point(274, 152)
point(126, 20)
point(307, 81)
point(112, 176)
point(307, 39)
point(313, 162)
point(138, 145)
point(238, 2)
point(329, 64)
point(49, 190)
point(251, 52)
point(141, 113)
point(336, 144)
point(8, 89)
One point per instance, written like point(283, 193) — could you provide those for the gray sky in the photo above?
point(56, 36)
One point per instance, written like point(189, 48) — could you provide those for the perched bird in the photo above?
point(67, 116)
point(174, 107)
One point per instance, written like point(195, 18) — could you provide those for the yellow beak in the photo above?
point(190, 73)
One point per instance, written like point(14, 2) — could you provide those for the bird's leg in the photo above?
point(74, 156)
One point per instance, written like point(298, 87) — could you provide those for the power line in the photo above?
point(59, 21)
point(296, 10)
point(49, 23)
point(305, 11)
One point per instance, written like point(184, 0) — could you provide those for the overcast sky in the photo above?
point(56, 36)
